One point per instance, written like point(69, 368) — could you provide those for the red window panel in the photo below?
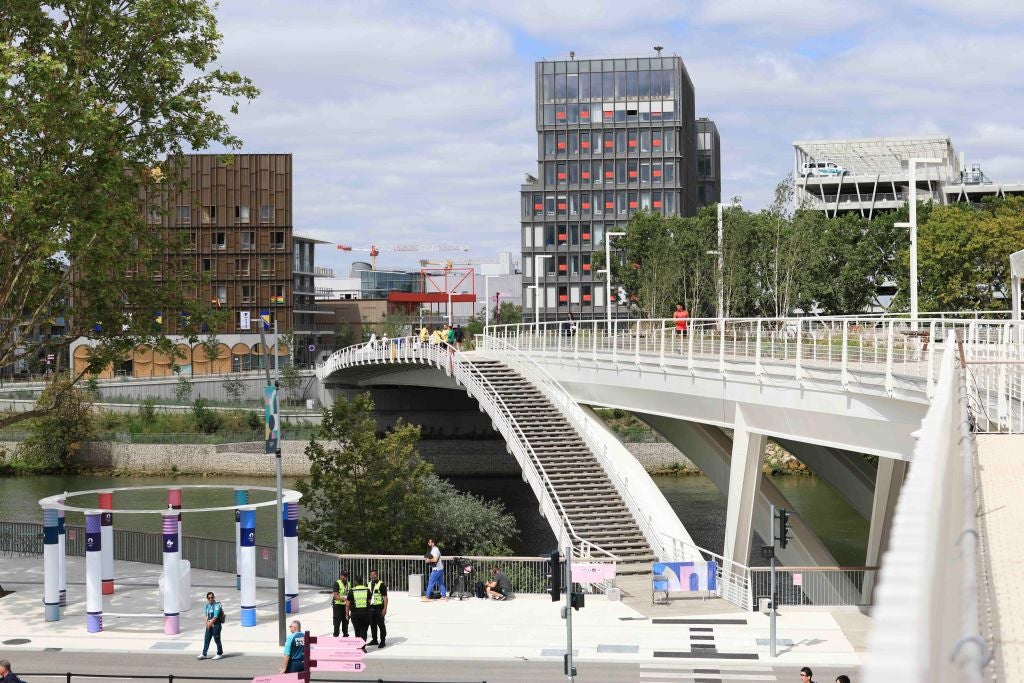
point(633, 205)
point(657, 173)
point(586, 235)
point(560, 145)
point(609, 144)
point(586, 266)
point(632, 143)
point(562, 268)
point(586, 206)
point(609, 174)
point(586, 297)
point(585, 144)
point(609, 113)
point(538, 207)
point(609, 205)
point(632, 174)
point(562, 236)
point(585, 114)
point(657, 204)
point(559, 114)
point(656, 142)
point(585, 175)
point(655, 113)
point(563, 297)
point(561, 207)
point(561, 176)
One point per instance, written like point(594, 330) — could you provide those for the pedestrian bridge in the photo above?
point(828, 390)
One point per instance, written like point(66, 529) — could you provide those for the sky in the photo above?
point(412, 122)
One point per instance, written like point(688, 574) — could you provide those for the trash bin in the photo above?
point(415, 585)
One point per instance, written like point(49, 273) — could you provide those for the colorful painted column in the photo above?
point(174, 502)
point(106, 502)
point(172, 557)
point(247, 565)
point(62, 555)
point(93, 572)
point(291, 558)
point(51, 566)
point(241, 498)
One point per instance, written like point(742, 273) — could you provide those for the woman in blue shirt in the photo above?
point(294, 650)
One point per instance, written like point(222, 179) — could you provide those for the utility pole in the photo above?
point(912, 224)
point(279, 525)
point(570, 670)
point(772, 614)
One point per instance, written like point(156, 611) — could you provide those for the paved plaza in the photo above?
point(527, 628)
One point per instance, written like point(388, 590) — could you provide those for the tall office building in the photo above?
point(709, 163)
point(614, 136)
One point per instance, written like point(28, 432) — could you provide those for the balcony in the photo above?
point(322, 271)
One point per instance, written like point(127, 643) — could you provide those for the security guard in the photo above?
point(339, 596)
point(359, 608)
point(378, 609)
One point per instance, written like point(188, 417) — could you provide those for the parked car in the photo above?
point(821, 169)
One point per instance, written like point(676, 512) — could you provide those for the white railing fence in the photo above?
point(858, 348)
point(926, 611)
point(455, 364)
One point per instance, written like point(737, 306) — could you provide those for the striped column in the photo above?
point(241, 498)
point(51, 566)
point(247, 565)
point(106, 502)
point(62, 556)
point(93, 572)
point(172, 557)
point(174, 502)
point(291, 558)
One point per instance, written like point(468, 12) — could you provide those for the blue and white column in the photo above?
point(241, 498)
point(93, 572)
point(172, 557)
point(291, 558)
point(62, 555)
point(247, 565)
point(106, 502)
point(51, 565)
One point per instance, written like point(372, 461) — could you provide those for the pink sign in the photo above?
point(593, 572)
point(337, 642)
point(72, 534)
point(337, 666)
point(798, 579)
point(337, 654)
point(266, 553)
point(279, 678)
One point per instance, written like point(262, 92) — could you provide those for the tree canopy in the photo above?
point(98, 99)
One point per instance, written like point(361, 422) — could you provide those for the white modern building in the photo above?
point(868, 175)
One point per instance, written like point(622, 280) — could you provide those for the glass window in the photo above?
point(645, 111)
point(633, 202)
point(574, 235)
point(277, 240)
point(184, 214)
point(609, 143)
point(656, 173)
point(559, 87)
point(549, 114)
point(549, 235)
point(549, 204)
point(632, 84)
point(584, 142)
point(598, 233)
point(538, 236)
point(248, 240)
point(700, 194)
point(631, 112)
point(620, 171)
point(585, 202)
point(574, 143)
point(266, 213)
point(585, 176)
point(656, 200)
point(560, 143)
point(670, 171)
point(549, 294)
point(670, 202)
point(585, 87)
point(574, 264)
point(656, 139)
point(209, 214)
point(549, 144)
point(563, 264)
point(527, 237)
point(645, 141)
point(220, 294)
point(645, 200)
point(631, 140)
point(247, 294)
point(645, 84)
point(549, 173)
point(632, 170)
point(620, 203)
point(574, 204)
point(668, 110)
point(563, 205)
point(219, 240)
point(266, 266)
point(645, 171)
point(609, 171)
point(538, 204)
point(574, 173)
point(207, 265)
point(670, 141)
point(666, 84)
point(608, 85)
point(549, 88)
point(574, 292)
point(574, 113)
point(620, 112)
point(585, 258)
point(587, 290)
point(609, 201)
point(562, 175)
point(620, 142)
point(559, 113)
point(242, 214)
point(620, 85)
point(599, 298)
point(585, 237)
point(595, 85)
point(572, 87)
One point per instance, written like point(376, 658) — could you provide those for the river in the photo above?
point(695, 499)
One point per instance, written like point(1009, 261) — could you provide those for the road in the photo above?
point(31, 663)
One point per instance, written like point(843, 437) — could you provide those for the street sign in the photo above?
point(272, 419)
point(280, 678)
point(587, 573)
point(336, 666)
point(337, 654)
point(337, 642)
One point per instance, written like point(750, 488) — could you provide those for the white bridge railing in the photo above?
point(857, 349)
point(455, 364)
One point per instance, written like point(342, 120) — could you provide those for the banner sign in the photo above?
point(685, 576)
point(244, 320)
point(271, 419)
point(594, 572)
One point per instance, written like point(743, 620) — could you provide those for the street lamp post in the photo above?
point(537, 260)
point(721, 265)
point(487, 300)
point(608, 274)
point(912, 224)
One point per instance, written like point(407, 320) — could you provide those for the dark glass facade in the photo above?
point(709, 163)
point(614, 136)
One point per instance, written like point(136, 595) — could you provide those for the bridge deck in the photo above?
point(1001, 517)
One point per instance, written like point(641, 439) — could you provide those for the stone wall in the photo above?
point(661, 457)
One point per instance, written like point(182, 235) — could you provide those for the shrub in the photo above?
point(183, 392)
point(146, 410)
point(255, 421)
point(58, 434)
point(207, 421)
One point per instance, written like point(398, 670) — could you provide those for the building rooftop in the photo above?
point(884, 156)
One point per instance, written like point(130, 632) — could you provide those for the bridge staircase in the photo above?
point(592, 506)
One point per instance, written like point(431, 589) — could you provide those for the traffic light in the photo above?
point(554, 576)
point(576, 601)
point(783, 528)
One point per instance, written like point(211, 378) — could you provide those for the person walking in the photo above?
point(358, 605)
point(6, 675)
point(378, 609)
point(681, 317)
point(424, 333)
point(294, 650)
point(450, 332)
point(842, 678)
point(459, 336)
point(214, 613)
point(338, 597)
point(806, 675)
point(436, 337)
point(436, 566)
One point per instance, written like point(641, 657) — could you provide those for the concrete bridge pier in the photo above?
point(744, 478)
point(888, 483)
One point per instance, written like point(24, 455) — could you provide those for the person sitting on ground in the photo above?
point(499, 587)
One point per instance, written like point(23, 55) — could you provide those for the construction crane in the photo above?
point(375, 251)
point(446, 264)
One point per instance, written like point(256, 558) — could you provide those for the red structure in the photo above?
point(449, 284)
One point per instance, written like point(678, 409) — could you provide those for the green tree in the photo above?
point(509, 314)
point(290, 379)
point(66, 420)
point(97, 101)
point(236, 387)
point(364, 494)
point(468, 524)
point(183, 389)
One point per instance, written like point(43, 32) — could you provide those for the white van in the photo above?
point(821, 168)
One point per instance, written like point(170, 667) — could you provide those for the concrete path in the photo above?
point(526, 628)
point(1001, 519)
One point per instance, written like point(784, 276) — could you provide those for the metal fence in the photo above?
point(69, 677)
point(831, 586)
point(528, 574)
point(217, 438)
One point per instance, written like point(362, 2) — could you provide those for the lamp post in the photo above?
point(608, 273)
point(537, 260)
point(487, 300)
point(912, 224)
point(721, 264)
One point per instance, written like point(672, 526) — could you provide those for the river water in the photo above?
point(695, 499)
